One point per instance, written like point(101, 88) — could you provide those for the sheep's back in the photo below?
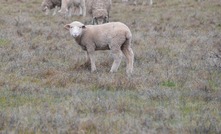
point(107, 30)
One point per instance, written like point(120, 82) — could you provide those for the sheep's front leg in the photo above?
point(117, 55)
point(87, 58)
point(92, 60)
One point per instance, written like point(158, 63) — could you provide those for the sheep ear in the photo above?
point(83, 26)
point(67, 27)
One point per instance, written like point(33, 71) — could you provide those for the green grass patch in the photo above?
point(15, 99)
point(168, 83)
point(4, 42)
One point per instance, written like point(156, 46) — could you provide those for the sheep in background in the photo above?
point(114, 36)
point(135, 2)
point(67, 5)
point(99, 10)
point(100, 16)
point(47, 5)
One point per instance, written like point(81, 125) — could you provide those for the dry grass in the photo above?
point(46, 85)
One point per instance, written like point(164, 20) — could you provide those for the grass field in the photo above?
point(46, 86)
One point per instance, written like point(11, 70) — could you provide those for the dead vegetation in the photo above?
point(46, 85)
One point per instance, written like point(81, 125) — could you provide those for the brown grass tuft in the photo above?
point(116, 82)
point(87, 126)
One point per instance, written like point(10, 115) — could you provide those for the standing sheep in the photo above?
point(47, 5)
point(99, 10)
point(66, 6)
point(114, 36)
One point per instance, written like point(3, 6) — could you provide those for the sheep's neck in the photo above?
point(78, 40)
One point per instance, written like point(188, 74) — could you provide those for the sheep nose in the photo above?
point(75, 31)
point(74, 35)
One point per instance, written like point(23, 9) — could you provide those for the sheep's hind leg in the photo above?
point(128, 52)
point(117, 55)
point(55, 10)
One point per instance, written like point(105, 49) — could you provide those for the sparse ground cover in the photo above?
point(46, 87)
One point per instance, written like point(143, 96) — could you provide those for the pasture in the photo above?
point(46, 86)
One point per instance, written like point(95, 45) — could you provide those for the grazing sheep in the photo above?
point(66, 6)
point(100, 16)
point(47, 5)
point(99, 10)
point(114, 36)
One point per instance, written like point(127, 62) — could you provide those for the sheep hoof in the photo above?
point(113, 71)
point(93, 71)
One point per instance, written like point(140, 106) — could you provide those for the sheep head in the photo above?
point(100, 16)
point(75, 28)
point(100, 20)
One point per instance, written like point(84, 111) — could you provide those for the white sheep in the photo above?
point(67, 5)
point(114, 36)
point(99, 10)
point(47, 5)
